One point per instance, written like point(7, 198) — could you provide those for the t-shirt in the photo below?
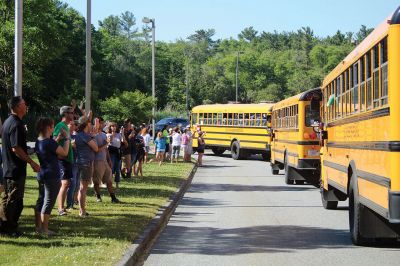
point(14, 135)
point(46, 153)
point(166, 135)
point(176, 139)
point(160, 143)
point(70, 156)
point(84, 153)
point(146, 140)
point(116, 140)
point(185, 139)
point(101, 140)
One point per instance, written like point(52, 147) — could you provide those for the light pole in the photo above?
point(237, 72)
point(153, 70)
point(18, 48)
point(88, 76)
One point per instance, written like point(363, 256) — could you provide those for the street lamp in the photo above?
point(18, 48)
point(153, 69)
point(88, 74)
point(237, 73)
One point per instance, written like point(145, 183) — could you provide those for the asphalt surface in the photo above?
point(238, 213)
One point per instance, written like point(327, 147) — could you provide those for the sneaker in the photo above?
point(62, 212)
point(98, 200)
point(115, 200)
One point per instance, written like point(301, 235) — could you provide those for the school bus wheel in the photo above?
point(355, 213)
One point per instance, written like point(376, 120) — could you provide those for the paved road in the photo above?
point(238, 213)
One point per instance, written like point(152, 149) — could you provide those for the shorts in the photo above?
point(175, 151)
point(85, 172)
point(126, 161)
point(160, 150)
point(133, 158)
point(101, 172)
point(65, 169)
point(200, 150)
point(146, 149)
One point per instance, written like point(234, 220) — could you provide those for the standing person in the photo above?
point(102, 165)
point(65, 162)
point(139, 142)
point(200, 149)
point(176, 144)
point(160, 142)
point(134, 153)
point(15, 159)
point(166, 136)
point(190, 144)
point(115, 139)
point(72, 193)
point(146, 138)
point(86, 148)
point(126, 150)
point(169, 150)
point(184, 145)
point(47, 151)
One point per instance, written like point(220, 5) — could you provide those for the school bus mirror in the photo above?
point(324, 134)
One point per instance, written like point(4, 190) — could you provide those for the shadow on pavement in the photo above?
point(204, 188)
point(257, 239)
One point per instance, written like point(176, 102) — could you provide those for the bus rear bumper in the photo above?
point(394, 207)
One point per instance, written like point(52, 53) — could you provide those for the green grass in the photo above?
point(101, 238)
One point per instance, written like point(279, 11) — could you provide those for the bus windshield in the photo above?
point(312, 116)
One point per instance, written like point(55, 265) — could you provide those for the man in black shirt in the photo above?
point(15, 159)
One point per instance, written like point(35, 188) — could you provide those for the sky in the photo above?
point(176, 19)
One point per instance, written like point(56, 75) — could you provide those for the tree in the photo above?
point(134, 105)
point(111, 25)
point(128, 20)
point(248, 34)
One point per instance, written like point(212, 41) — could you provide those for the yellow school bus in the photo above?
point(295, 144)
point(241, 128)
point(361, 135)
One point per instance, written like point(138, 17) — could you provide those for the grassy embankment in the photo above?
point(102, 237)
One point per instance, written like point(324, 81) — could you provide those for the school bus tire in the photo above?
point(355, 214)
point(288, 169)
point(236, 151)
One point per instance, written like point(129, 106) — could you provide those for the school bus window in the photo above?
point(311, 115)
point(362, 83)
point(369, 80)
point(384, 73)
point(194, 118)
point(219, 119)
point(376, 77)
point(355, 89)
point(201, 121)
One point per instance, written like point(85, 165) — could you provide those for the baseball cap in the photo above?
point(188, 126)
point(65, 109)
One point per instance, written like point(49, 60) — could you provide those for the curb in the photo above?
point(136, 253)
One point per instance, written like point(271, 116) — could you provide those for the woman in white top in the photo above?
point(176, 144)
point(116, 140)
point(146, 138)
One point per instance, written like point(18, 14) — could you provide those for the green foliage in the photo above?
point(271, 65)
point(134, 105)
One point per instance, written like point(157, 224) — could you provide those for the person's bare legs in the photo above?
point(38, 222)
point(45, 223)
point(200, 159)
point(82, 197)
point(62, 194)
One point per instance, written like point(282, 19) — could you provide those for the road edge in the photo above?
point(136, 253)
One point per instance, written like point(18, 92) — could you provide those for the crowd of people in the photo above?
point(72, 154)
